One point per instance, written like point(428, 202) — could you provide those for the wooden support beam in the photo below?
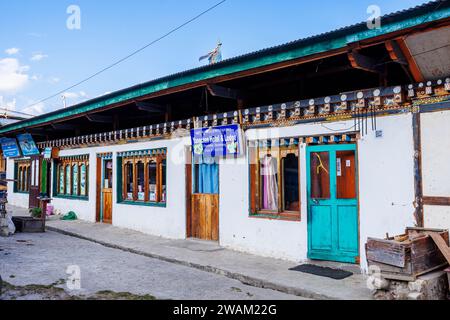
point(436, 201)
point(99, 118)
point(359, 61)
point(63, 126)
point(412, 65)
point(150, 107)
point(418, 189)
point(395, 53)
point(219, 91)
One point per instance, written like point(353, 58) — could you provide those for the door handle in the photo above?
point(315, 201)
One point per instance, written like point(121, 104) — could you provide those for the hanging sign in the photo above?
point(10, 148)
point(27, 145)
point(216, 141)
point(48, 153)
point(51, 153)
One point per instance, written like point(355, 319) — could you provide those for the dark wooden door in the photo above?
point(35, 181)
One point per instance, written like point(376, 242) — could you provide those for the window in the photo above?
point(274, 178)
point(143, 177)
point(71, 177)
point(22, 176)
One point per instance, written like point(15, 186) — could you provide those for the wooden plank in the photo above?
point(195, 216)
point(436, 201)
point(387, 252)
point(207, 216)
point(188, 175)
point(215, 218)
point(441, 244)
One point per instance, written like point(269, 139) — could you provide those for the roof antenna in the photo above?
point(63, 97)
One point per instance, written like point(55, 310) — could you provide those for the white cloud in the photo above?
point(37, 109)
point(12, 51)
point(71, 95)
point(38, 56)
point(36, 77)
point(12, 75)
point(54, 80)
point(10, 105)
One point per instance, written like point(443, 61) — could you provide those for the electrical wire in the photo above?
point(131, 54)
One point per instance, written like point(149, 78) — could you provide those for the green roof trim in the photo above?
point(318, 44)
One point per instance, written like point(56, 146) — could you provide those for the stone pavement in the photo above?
point(208, 256)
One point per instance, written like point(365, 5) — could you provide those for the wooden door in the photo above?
point(203, 204)
point(333, 229)
point(104, 190)
point(205, 216)
point(107, 205)
point(34, 182)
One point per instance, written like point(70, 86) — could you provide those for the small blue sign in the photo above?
point(216, 141)
point(27, 145)
point(10, 148)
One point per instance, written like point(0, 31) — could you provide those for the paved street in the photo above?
point(33, 262)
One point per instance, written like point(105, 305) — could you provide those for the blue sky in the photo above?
point(40, 56)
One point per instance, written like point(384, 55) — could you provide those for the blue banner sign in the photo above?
point(216, 141)
point(10, 148)
point(27, 145)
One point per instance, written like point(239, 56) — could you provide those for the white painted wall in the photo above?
point(15, 199)
point(386, 189)
point(435, 165)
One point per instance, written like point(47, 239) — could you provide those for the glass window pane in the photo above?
point(320, 175)
point(83, 179)
point(107, 170)
point(151, 167)
point(61, 179)
point(68, 181)
point(129, 180)
point(140, 181)
point(75, 180)
point(268, 167)
point(291, 183)
point(345, 174)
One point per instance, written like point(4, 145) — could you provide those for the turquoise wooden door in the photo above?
point(332, 203)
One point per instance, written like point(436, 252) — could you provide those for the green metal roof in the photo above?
point(337, 39)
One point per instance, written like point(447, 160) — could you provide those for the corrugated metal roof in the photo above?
point(355, 32)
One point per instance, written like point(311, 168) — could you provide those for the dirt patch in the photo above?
point(52, 292)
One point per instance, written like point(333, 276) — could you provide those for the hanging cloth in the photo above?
point(208, 178)
point(270, 185)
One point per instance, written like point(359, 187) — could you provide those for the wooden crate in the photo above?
point(28, 224)
point(414, 255)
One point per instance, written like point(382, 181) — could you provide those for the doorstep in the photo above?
point(210, 257)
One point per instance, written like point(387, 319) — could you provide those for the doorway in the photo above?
point(203, 207)
point(104, 190)
point(333, 223)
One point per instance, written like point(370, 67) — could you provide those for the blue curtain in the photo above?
point(208, 178)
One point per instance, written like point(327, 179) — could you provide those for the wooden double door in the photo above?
point(202, 185)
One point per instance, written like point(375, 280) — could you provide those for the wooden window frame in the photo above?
point(256, 153)
point(145, 160)
point(70, 163)
point(22, 176)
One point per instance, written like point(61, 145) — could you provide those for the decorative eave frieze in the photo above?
point(381, 101)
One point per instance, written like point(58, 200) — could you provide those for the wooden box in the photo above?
point(407, 256)
point(28, 224)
